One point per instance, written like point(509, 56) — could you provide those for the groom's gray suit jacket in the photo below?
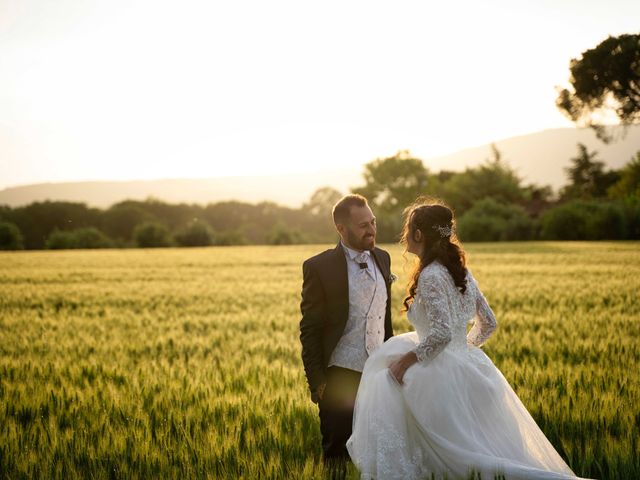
point(325, 307)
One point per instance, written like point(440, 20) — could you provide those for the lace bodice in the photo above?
point(440, 313)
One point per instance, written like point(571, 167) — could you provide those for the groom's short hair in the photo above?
point(342, 209)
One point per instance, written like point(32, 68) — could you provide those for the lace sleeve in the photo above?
point(432, 295)
point(485, 321)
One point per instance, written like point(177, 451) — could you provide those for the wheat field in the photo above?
point(185, 363)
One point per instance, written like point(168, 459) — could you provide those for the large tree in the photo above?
point(587, 177)
point(318, 211)
point(322, 201)
point(391, 184)
point(629, 183)
point(492, 179)
point(605, 80)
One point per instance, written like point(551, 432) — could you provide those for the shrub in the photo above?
point(120, 220)
point(566, 222)
point(80, 238)
point(197, 234)
point(631, 208)
point(606, 222)
point(10, 237)
point(584, 220)
point(60, 240)
point(491, 221)
point(231, 237)
point(91, 238)
point(151, 235)
point(280, 234)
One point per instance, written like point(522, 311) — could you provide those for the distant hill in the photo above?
point(291, 190)
point(538, 158)
point(541, 157)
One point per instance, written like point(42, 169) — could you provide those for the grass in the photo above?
point(186, 362)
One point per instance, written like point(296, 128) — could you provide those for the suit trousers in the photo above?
point(336, 412)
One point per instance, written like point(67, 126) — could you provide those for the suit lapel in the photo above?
point(382, 265)
point(341, 278)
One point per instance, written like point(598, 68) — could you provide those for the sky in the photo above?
point(147, 89)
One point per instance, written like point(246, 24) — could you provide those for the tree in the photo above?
point(231, 237)
point(318, 213)
point(493, 179)
point(629, 183)
point(605, 80)
point(253, 222)
point(122, 218)
point(490, 221)
point(281, 234)
point(60, 240)
point(151, 235)
point(89, 237)
point(38, 219)
point(322, 201)
point(626, 192)
point(197, 234)
point(539, 199)
point(10, 237)
point(587, 176)
point(584, 220)
point(391, 184)
point(173, 216)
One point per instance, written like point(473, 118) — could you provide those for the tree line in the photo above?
point(153, 223)
point(493, 204)
point(490, 200)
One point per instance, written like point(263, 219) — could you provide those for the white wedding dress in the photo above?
point(455, 414)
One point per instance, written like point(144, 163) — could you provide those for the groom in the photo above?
point(346, 315)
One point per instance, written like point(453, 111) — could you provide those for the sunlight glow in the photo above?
point(155, 89)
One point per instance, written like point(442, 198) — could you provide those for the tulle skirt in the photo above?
point(454, 415)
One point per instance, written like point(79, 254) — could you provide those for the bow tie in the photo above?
point(362, 260)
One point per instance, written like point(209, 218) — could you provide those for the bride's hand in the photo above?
point(397, 371)
point(399, 367)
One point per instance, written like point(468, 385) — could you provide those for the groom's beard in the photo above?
point(366, 242)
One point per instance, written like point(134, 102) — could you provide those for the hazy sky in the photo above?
point(140, 89)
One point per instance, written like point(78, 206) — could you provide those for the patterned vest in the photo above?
point(364, 330)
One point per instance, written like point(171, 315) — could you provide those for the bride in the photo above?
point(430, 403)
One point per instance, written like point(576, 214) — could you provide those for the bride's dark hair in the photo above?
point(439, 242)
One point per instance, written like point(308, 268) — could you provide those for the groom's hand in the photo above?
point(318, 393)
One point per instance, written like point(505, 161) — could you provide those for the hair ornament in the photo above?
point(444, 230)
